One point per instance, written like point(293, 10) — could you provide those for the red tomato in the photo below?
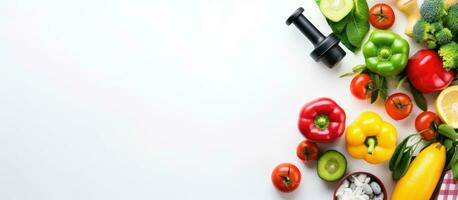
point(307, 150)
point(424, 123)
point(286, 177)
point(398, 106)
point(381, 16)
point(362, 86)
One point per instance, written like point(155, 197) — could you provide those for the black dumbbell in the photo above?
point(327, 49)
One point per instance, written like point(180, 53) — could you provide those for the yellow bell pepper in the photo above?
point(370, 138)
point(423, 174)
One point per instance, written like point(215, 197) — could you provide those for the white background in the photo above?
point(163, 99)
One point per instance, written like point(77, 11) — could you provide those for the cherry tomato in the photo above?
point(398, 106)
point(381, 16)
point(286, 177)
point(362, 86)
point(426, 124)
point(307, 150)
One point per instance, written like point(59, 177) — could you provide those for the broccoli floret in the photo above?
point(451, 20)
point(423, 32)
point(432, 10)
point(437, 26)
point(444, 36)
point(449, 55)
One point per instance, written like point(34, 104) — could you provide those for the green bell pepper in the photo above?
point(386, 53)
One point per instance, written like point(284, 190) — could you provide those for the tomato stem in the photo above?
point(307, 153)
point(399, 105)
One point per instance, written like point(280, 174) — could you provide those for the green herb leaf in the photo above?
point(355, 30)
point(338, 27)
point(356, 70)
point(347, 74)
point(397, 155)
point(359, 68)
point(361, 9)
point(352, 29)
point(374, 96)
point(384, 88)
point(418, 97)
point(403, 165)
point(344, 40)
point(358, 22)
point(402, 80)
point(447, 131)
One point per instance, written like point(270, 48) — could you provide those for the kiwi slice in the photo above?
point(332, 166)
point(336, 10)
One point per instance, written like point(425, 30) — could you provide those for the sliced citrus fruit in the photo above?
point(447, 106)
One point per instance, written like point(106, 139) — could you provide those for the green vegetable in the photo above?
point(454, 165)
point(336, 10)
point(332, 166)
point(437, 26)
point(432, 10)
point(448, 143)
point(444, 36)
point(453, 162)
point(447, 131)
point(423, 32)
point(386, 53)
point(449, 55)
point(351, 29)
point(451, 20)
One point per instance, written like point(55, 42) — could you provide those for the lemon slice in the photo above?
point(447, 106)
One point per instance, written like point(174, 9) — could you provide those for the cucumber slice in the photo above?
point(336, 10)
point(331, 166)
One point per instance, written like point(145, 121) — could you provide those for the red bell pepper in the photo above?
point(426, 73)
point(322, 120)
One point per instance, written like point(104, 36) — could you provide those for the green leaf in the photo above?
point(356, 29)
point(338, 27)
point(397, 155)
point(384, 88)
point(418, 97)
point(447, 131)
point(344, 40)
point(347, 74)
point(355, 70)
point(352, 35)
point(377, 85)
point(361, 9)
point(401, 169)
point(374, 96)
point(402, 80)
point(359, 68)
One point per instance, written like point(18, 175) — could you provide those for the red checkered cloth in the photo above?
point(448, 188)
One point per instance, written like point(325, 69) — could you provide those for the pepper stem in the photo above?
point(371, 142)
point(384, 53)
point(321, 121)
